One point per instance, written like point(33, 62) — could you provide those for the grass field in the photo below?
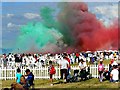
point(92, 83)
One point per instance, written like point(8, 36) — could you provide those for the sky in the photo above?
point(16, 14)
point(59, 0)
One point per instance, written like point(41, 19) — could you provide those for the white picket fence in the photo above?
point(94, 70)
point(42, 72)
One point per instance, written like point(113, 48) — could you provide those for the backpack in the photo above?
point(52, 70)
point(100, 67)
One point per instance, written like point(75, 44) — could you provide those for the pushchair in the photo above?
point(77, 76)
point(89, 76)
point(85, 74)
point(73, 78)
point(106, 75)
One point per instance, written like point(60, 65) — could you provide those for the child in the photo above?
point(100, 70)
point(52, 71)
point(18, 75)
point(22, 80)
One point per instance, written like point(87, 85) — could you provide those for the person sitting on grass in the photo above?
point(82, 66)
point(114, 74)
point(19, 86)
point(52, 71)
point(18, 75)
point(22, 80)
point(30, 78)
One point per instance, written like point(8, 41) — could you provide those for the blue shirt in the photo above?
point(30, 79)
point(18, 76)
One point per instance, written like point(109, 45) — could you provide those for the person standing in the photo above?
point(63, 68)
point(100, 70)
point(52, 71)
point(68, 59)
point(111, 64)
point(17, 60)
point(5, 60)
point(77, 57)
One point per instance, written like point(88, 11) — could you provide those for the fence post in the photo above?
point(33, 70)
point(15, 73)
point(97, 71)
point(38, 69)
point(2, 64)
point(40, 72)
point(90, 70)
point(59, 72)
point(5, 72)
point(46, 72)
point(108, 67)
point(0, 73)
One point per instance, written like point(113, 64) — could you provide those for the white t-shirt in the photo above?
point(82, 65)
point(115, 74)
point(64, 64)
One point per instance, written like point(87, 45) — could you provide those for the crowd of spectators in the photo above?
point(12, 60)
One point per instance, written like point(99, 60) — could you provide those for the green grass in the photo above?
point(44, 83)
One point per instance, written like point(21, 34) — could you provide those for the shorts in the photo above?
point(100, 72)
point(51, 76)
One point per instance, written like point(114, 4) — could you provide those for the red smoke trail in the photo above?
point(87, 31)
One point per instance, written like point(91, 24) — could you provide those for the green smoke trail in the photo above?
point(38, 35)
point(63, 26)
point(35, 34)
point(48, 20)
point(47, 16)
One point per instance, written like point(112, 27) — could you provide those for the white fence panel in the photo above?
point(42, 72)
point(94, 70)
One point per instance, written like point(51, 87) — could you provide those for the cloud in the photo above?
point(9, 15)
point(11, 25)
point(110, 11)
point(106, 13)
point(31, 15)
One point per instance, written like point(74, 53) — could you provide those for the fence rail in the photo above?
point(42, 72)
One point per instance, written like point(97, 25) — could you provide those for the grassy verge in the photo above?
point(92, 83)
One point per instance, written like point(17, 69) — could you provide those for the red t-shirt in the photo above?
point(77, 54)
